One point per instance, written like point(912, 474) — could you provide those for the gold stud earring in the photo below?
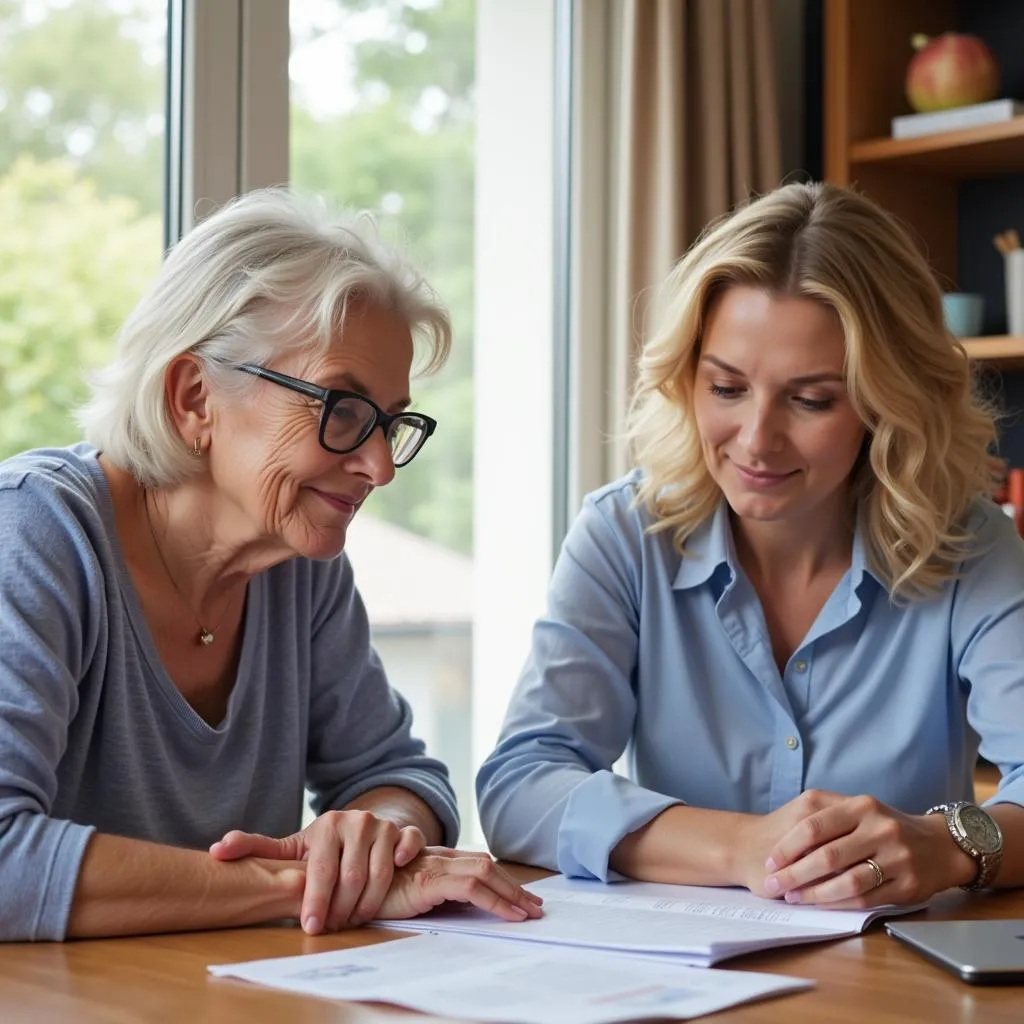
point(197, 447)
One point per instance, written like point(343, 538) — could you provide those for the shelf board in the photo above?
point(977, 152)
point(1004, 350)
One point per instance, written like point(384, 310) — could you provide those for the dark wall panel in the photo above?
point(988, 206)
point(985, 207)
point(814, 96)
point(1001, 24)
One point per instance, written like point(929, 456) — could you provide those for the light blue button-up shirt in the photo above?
point(669, 658)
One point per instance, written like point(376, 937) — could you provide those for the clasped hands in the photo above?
point(360, 867)
point(819, 849)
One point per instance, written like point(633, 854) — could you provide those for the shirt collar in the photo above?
point(860, 564)
point(711, 545)
point(708, 547)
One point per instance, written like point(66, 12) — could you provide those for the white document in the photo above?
point(697, 924)
point(511, 982)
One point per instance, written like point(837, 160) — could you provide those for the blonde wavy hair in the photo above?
point(929, 431)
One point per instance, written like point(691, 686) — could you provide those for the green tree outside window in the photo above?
point(81, 172)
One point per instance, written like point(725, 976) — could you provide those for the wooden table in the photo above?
point(163, 978)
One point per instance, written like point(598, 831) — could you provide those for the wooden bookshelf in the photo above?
point(1002, 350)
point(867, 49)
point(976, 152)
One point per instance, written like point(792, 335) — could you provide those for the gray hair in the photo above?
point(269, 272)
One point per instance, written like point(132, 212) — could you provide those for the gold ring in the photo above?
point(879, 873)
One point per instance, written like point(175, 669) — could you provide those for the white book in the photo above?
point(472, 978)
point(909, 126)
point(695, 925)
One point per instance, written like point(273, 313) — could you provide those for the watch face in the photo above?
point(980, 828)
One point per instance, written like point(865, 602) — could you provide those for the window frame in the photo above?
point(227, 105)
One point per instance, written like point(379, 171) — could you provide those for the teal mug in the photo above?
point(963, 313)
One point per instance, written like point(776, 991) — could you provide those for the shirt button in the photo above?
point(800, 666)
point(792, 742)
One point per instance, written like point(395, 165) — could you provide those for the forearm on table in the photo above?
point(403, 807)
point(1011, 820)
point(130, 887)
point(684, 845)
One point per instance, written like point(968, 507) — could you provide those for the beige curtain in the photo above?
point(696, 130)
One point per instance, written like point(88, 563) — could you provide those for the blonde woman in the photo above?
point(800, 613)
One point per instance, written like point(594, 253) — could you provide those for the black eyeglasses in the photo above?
point(349, 418)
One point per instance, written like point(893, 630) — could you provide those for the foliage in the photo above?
point(81, 81)
point(81, 150)
point(71, 264)
point(408, 143)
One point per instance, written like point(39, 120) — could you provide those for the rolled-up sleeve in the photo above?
point(987, 637)
point(547, 794)
point(360, 732)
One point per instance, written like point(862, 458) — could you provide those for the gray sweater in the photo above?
point(94, 735)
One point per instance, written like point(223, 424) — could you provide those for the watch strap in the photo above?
point(988, 863)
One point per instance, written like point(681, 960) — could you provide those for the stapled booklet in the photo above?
point(696, 925)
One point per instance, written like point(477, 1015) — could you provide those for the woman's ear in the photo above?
point(187, 397)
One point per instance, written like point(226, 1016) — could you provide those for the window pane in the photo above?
point(81, 157)
point(382, 118)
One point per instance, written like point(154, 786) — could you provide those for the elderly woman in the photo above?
point(800, 612)
point(182, 645)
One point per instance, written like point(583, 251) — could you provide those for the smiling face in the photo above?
point(265, 454)
point(778, 431)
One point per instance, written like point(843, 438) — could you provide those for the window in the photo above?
point(383, 118)
point(439, 116)
point(82, 100)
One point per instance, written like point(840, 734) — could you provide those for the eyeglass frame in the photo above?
point(330, 397)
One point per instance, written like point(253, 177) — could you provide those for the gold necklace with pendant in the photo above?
point(205, 636)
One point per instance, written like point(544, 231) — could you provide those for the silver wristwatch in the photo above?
point(978, 834)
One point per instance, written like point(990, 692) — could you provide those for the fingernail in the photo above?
point(772, 885)
point(216, 846)
point(312, 925)
point(792, 897)
point(519, 912)
point(770, 865)
point(533, 896)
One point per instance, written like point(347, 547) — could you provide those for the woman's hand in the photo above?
point(350, 858)
point(760, 836)
point(439, 874)
point(824, 858)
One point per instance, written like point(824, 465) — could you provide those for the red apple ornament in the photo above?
point(951, 70)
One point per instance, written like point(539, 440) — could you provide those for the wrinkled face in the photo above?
point(266, 457)
point(779, 434)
